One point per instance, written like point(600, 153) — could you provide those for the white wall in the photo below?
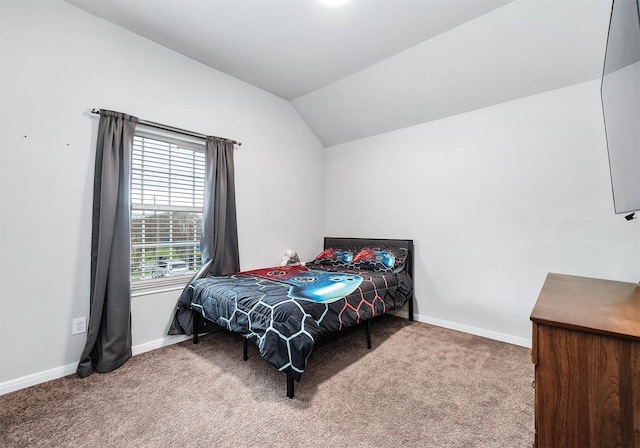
point(58, 62)
point(494, 199)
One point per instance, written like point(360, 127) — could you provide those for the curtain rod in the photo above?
point(172, 129)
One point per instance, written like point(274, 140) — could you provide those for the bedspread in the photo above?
point(284, 310)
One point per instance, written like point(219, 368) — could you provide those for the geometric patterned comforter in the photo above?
point(284, 310)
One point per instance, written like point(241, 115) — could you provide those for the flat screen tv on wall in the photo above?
point(620, 92)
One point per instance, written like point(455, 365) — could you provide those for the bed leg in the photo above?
point(290, 386)
point(368, 330)
point(245, 353)
point(196, 325)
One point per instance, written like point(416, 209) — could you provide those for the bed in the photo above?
point(284, 310)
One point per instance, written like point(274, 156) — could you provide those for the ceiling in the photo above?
point(373, 66)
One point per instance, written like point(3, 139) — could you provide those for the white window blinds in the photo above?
point(167, 189)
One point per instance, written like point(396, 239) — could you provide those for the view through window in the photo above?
point(167, 190)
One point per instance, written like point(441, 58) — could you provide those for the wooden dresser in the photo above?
point(586, 351)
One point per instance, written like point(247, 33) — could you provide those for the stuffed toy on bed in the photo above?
point(291, 259)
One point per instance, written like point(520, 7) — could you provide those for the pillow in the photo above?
point(380, 259)
point(375, 257)
point(334, 257)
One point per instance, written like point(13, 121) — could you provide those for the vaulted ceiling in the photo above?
point(373, 66)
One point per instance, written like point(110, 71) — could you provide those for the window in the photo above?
point(167, 192)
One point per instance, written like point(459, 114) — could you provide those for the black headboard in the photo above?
point(359, 243)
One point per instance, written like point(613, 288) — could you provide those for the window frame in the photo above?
point(171, 283)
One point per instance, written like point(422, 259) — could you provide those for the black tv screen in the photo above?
point(620, 92)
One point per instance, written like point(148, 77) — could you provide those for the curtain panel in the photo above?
point(108, 343)
point(219, 243)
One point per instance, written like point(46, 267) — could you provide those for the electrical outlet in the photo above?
point(79, 325)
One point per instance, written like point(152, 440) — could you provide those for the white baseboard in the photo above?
point(37, 378)
point(502, 337)
point(52, 374)
point(159, 343)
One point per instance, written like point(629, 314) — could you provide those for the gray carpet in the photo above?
point(419, 386)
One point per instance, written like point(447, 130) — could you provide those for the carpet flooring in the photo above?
point(419, 386)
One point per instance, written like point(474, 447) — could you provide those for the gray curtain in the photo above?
point(109, 331)
point(219, 243)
